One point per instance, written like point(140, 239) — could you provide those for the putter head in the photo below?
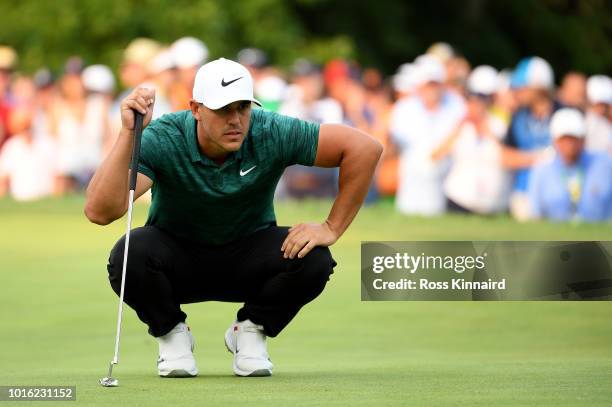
point(109, 382)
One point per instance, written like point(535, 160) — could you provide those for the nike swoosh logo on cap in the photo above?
point(243, 173)
point(224, 84)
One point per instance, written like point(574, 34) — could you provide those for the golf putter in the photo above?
point(109, 381)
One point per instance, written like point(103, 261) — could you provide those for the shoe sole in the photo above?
point(178, 373)
point(241, 373)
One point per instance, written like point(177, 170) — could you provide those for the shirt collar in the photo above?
point(581, 163)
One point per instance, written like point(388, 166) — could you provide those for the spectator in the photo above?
point(599, 130)
point(404, 81)
point(255, 60)
point(188, 54)
point(136, 57)
point(418, 126)
point(99, 83)
point(162, 77)
point(305, 99)
point(572, 92)
point(133, 72)
point(270, 91)
point(27, 161)
point(46, 97)
point(477, 182)
point(504, 100)
point(377, 106)
point(69, 127)
point(576, 185)
point(8, 60)
point(528, 134)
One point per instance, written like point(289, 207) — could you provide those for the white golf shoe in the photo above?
point(176, 353)
point(247, 342)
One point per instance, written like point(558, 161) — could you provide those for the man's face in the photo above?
point(222, 131)
point(431, 94)
point(477, 107)
point(569, 148)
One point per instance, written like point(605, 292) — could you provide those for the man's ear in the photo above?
point(195, 111)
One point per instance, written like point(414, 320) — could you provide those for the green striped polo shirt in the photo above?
point(196, 199)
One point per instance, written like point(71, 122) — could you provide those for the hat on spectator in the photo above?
point(305, 67)
point(429, 69)
point(74, 65)
point(568, 122)
point(405, 80)
point(252, 57)
point(599, 89)
point(98, 78)
point(533, 72)
point(43, 78)
point(141, 51)
point(189, 52)
point(336, 69)
point(442, 51)
point(221, 82)
point(8, 58)
point(483, 80)
point(161, 62)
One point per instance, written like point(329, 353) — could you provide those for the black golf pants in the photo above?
point(164, 272)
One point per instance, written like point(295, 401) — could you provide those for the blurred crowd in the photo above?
point(456, 138)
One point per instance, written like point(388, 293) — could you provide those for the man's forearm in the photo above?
point(106, 197)
point(356, 173)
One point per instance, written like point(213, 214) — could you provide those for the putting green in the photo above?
point(58, 318)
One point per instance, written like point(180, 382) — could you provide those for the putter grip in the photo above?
point(136, 149)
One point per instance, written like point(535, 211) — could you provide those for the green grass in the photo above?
point(57, 318)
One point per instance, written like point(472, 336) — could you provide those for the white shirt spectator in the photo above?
point(324, 110)
point(599, 134)
point(417, 132)
point(29, 166)
point(476, 180)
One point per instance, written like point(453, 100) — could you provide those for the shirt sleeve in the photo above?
point(149, 149)
point(296, 139)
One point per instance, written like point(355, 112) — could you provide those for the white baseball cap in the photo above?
point(221, 82)
point(405, 80)
point(483, 80)
point(599, 89)
point(429, 69)
point(188, 52)
point(98, 78)
point(567, 122)
point(271, 88)
point(163, 61)
point(533, 72)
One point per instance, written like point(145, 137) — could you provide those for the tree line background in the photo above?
point(571, 34)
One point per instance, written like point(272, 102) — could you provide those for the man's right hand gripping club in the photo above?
point(107, 197)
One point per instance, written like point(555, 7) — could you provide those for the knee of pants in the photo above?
point(139, 255)
point(318, 265)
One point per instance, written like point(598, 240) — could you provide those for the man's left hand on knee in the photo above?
point(303, 237)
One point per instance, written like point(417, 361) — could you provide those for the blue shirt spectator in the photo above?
point(583, 191)
point(528, 132)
